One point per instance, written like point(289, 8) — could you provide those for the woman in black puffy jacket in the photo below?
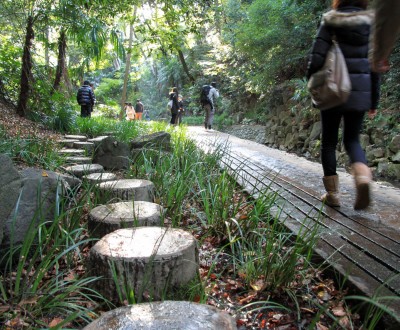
point(350, 23)
point(173, 96)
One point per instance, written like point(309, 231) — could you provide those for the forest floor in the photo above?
point(227, 290)
point(23, 128)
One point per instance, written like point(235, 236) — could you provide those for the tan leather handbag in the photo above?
point(331, 86)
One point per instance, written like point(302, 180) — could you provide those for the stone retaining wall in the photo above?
point(285, 132)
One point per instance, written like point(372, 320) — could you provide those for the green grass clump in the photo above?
point(42, 279)
point(32, 152)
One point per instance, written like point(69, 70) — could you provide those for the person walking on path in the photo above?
point(350, 23)
point(86, 99)
point(129, 111)
point(174, 97)
point(139, 108)
point(209, 94)
point(387, 31)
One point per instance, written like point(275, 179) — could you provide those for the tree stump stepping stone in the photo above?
point(72, 152)
point(78, 160)
point(149, 261)
point(75, 137)
point(97, 140)
point(84, 169)
point(182, 315)
point(127, 190)
point(105, 219)
point(68, 143)
point(88, 146)
point(99, 177)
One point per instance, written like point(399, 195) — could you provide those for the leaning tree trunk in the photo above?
point(62, 46)
point(26, 71)
point(184, 65)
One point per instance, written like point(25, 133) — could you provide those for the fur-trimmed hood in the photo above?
point(340, 18)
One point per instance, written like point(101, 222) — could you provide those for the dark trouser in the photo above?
point(209, 115)
point(173, 118)
point(178, 120)
point(352, 121)
point(85, 110)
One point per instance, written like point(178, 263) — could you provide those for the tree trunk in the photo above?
point(127, 71)
point(185, 67)
point(62, 46)
point(46, 48)
point(128, 65)
point(26, 71)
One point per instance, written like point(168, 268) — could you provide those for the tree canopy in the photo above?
point(140, 49)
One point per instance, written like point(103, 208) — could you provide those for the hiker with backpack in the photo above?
point(208, 97)
point(86, 99)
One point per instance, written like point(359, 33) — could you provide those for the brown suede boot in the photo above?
point(331, 184)
point(362, 178)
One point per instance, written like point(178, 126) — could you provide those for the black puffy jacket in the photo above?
point(85, 95)
point(352, 27)
point(175, 104)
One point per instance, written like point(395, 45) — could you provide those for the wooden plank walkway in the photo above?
point(363, 246)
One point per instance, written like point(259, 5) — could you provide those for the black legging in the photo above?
point(330, 131)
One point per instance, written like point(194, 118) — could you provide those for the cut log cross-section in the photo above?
point(105, 219)
point(146, 262)
point(99, 177)
point(84, 169)
point(182, 315)
point(127, 190)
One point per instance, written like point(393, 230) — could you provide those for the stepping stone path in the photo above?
point(99, 177)
point(180, 315)
point(128, 189)
point(148, 260)
point(84, 169)
point(105, 219)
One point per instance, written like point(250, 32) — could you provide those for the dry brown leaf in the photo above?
point(55, 322)
point(259, 285)
point(249, 298)
point(28, 301)
point(70, 277)
point(339, 311)
point(321, 327)
point(345, 322)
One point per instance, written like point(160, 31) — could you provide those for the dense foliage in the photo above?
point(133, 49)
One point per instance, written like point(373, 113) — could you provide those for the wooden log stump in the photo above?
point(75, 137)
point(145, 261)
point(95, 178)
point(84, 169)
point(68, 143)
point(127, 190)
point(78, 160)
point(97, 140)
point(105, 219)
point(72, 152)
point(182, 315)
point(88, 146)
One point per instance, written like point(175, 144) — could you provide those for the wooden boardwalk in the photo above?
point(363, 246)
